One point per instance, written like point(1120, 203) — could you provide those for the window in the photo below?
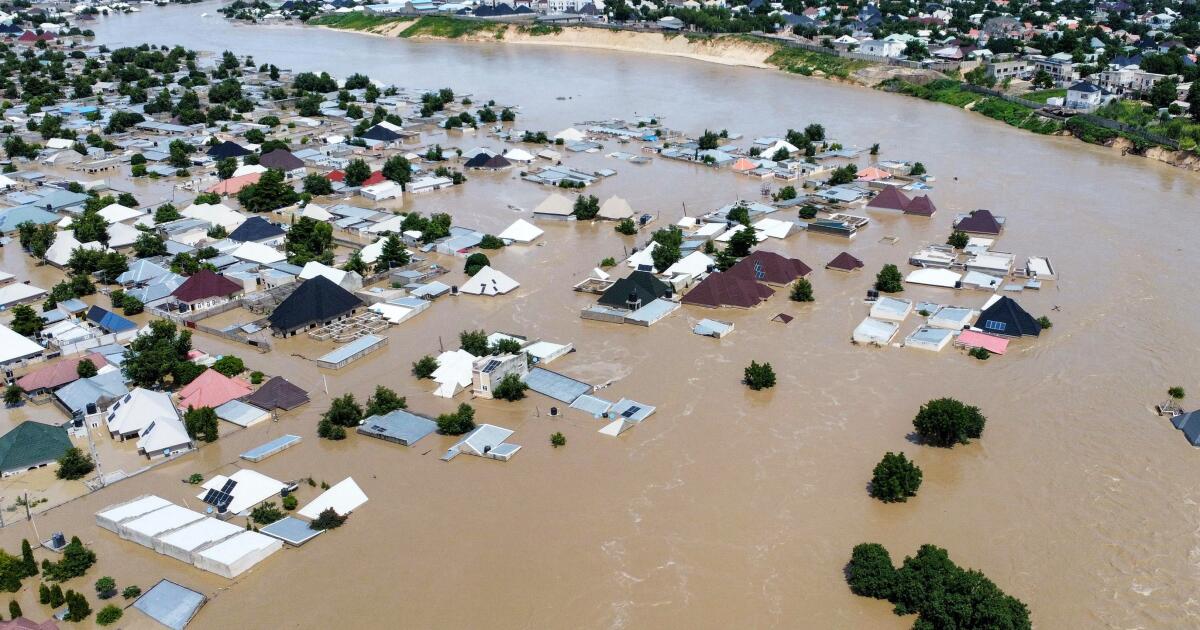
point(758, 271)
point(992, 324)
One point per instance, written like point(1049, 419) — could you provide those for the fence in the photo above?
point(1099, 121)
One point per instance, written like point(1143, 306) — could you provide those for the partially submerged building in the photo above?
point(316, 302)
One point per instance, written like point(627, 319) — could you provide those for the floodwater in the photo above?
point(730, 508)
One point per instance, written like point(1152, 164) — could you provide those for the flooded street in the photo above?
point(727, 508)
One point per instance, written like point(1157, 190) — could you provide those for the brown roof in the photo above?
point(724, 289)
point(844, 262)
point(281, 159)
point(277, 393)
point(57, 374)
point(979, 222)
point(890, 198)
point(21, 623)
point(769, 267)
point(921, 206)
point(205, 284)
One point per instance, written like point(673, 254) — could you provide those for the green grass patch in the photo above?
point(951, 92)
point(449, 28)
point(807, 62)
point(539, 29)
point(354, 21)
point(1041, 96)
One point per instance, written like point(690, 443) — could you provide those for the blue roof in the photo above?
point(398, 426)
point(12, 217)
point(264, 451)
point(170, 604)
point(109, 321)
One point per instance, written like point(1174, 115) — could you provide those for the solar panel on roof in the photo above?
point(628, 413)
point(758, 271)
point(491, 365)
point(209, 497)
point(228, 487)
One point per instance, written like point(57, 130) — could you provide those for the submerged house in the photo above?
point(487, 372)
point(844, 262)
point(31, 445)
point(634, 291)
point(485, 441)
point(769, 267)
point(725, 289)
point(890, 198)
point(205, 289)
point(980, 222)
point(150, 417)
point(1006, 318)
point(316, 302)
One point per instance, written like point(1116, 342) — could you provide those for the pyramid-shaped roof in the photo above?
point(318, 299)
point(211, 389)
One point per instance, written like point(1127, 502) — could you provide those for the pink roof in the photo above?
point(212, 389)
point(234, 185)
point(744, 165)
point(871, 174)
point(972, 339)
point(57, 374)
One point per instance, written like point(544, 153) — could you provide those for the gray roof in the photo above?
point(591, 404)
point(631, 410)
point(98, 389)
point(555, 385)
point(170, 604)
point(291, 530)
point(398, 426)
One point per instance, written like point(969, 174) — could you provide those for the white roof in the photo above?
point(258, 253)
point(135, 412)
point(875, 331)
point(16, 292)
point(453, 372)
point(780, 144)
point(642, 257)
point(615, 208)
point(202, 532)
point(237, 547)
point(521, 231)
point(372, 252)
point(116, 213)
point(570, 134)
point(484, 438)
point(390, 224)
point(163, 434)
point(65, 243)
point(122, 234)
point(344, 497)
point(318, 213)
point(555, 204)
point(774, 228)
point(386, 188)
point(488, 281)
point(249, 169)
point(215, 214)
point(894, 309)
point(519, 155)
point(687, 222)
point(162, 520)
point(391, 312)
point(252, 488)
point(693, 264)
point(1039, 265)
point(934, 277)
point(728, 235)
point(979, 279)
point(709, 229)
point(313, 269)
point(136, 507)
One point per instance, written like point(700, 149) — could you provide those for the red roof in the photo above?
point(212, 389)
point(57, 374)
point(844, 262)
point(724, 289)
point(30, 36)
point(336, 176)
point(922, 206)
point(205, 284)
point(340, 176)
point(769, 267)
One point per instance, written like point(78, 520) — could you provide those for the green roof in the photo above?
point(31, 444)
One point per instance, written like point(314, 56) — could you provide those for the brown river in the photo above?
point(729, 508)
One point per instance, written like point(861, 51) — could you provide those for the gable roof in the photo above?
point(278, 393)
point(764, 266)
point(108, 320)
point(643, 284)
point(255, 229)
point(318, 299)
point(32, 443)
point(57, 374)
point(205, 284)
point(724, 289)
point(211, 389)
point(227, 149)
point(844, 262)
point(281, 159)
point(1008, 319)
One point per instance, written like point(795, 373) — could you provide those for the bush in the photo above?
point(608, 262)
point(290, 502)
point(106, 587)
point(557, 439)
point(76, 560)
point(945, 422)
point(980, 353)
point(1176, 392)
point(490, 242)
point(475, 342)
point(958, 239)
point(759, 376)
point(895, 479)
point(327, 519)
point(132, 305)
point(626, 227)
point(131, 592)
point(871, 572)
point(14, 609)
point(229, 365)
point(889, 280)
point(1045, 322)
point(424, 367)
point(475, 262)
point(256, 377)
point(266, 513)
point(330, 431)
point(195, 478)
point(510, 388)
point(802, 291)
point(109, 615)
point(459, 422)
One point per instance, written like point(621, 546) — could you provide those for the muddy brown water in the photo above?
point(730, 508)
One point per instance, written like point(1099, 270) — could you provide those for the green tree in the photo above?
point(106, 587)
point(109, 615)
point(13, 395)
point(77, 607)
point(1176, 392)
point(945, 422)
point(14, 609)
point(131, 592)
point(132, 305)
point(461, 421)
point(149, 244)
point(74, 464)
point(398, 169)
point(958, 239)
point(742, 242)
point(510, 388)
point(424, 367)
point(309, 240)
point(26, 321)
point(266, 513)
point(357, 172)
point(870, 572)
point(843, 175)
point(27, 561)
point(166, 213)
point(226, 167)
point(1043, 80)
point(586, 207)
point(1193, 100)
point(474, 342)
point(626, 226)
point(151, 357)
point(1164, 92)
point(111, 265)
point(290, 502)
point(85, 368)
point(917, 170)
point(56, 596)
point(384, 401)
point(76, 560)
point(557, 439)
point(327, 519)
point(344, 411)
point(393, 254)
point(201, 423)
point(43, 594)
point(317, 184)
point(895, 478)
point(269, 193)
point(475, 262)
point(90, 226)
point(355, 263)
point(802, 291)
point(11, 572)
point(889, 280)
point(229, 365)
point(759, 376)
